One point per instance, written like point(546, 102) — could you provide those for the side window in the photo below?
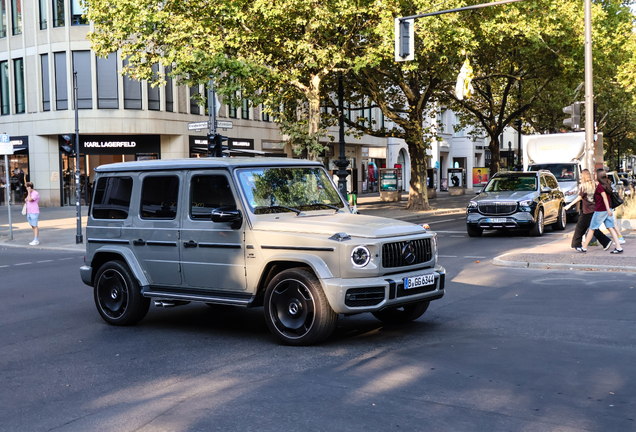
point(208, 192)
point(552, 182)
point(159, 196)
point(112, 198)
point(542, 181)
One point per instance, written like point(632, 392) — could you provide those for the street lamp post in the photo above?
point(342, 161)
point(78, 207)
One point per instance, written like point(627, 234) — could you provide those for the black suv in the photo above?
point(517, 200)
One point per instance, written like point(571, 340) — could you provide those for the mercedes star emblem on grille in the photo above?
point(408, 253)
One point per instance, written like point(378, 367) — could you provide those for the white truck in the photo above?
point(563, 155)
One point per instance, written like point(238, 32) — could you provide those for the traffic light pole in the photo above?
point(589, 89)
point(78, 237)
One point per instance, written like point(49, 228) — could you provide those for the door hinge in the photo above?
point(178, 235)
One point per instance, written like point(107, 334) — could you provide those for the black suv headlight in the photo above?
point(472, 204)
point(526, 205)
point(360, 256)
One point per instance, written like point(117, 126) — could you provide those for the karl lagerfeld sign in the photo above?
point(119, 144)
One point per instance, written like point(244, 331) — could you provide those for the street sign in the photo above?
point(224, 124)
point(6, 148)
point(198, 125)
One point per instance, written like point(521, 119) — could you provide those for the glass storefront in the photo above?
point(18, 172)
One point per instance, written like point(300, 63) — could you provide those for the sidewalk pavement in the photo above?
point(558, 255)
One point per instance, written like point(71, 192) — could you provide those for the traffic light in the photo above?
point(574, 110)
point(215, 145)
point(404, 40)
point(69, 144)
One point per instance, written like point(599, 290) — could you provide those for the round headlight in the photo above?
point(472, 204)
point(360, 256)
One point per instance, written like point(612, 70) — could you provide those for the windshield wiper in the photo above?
point(314, 204)
point(276, 207)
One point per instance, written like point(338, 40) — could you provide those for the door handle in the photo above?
point(139, 242)
point(190, 244)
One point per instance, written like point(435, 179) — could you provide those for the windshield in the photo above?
point(512, 183)
point(274, 190)
point(562, 172)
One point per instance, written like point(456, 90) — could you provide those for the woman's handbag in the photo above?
point(24, 209)
point(615, 200)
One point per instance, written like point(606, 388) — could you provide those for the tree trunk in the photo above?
point(313, 115)
point(418, 193)
point(494, 154)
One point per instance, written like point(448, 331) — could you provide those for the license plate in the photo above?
point(496, 220)
point(419, 281)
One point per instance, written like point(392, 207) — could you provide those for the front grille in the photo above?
point(497, 208)
point(368, 296)
point(392, 253)
point(401, 292)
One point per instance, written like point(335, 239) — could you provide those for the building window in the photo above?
point(132, 92)
point(154, 96)
point(82, 65)
point(107, 97)
point(3, 18)
point(4, 87)
point(169, 92)
point(264, 114)
point(194, 104)
point(58, 13)
point(232, 108)
point(43, 20)
point(159, 197)
point(61, 89)
point(46, 89)
point(245, 111)
point(18, 74)
point(112, 198)
point(78, 12)
point(348, 111)
point(16, 16)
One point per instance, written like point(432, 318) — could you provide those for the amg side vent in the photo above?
point(392, 255)
point(368, 296)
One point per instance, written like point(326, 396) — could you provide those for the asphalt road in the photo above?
point(505, 349)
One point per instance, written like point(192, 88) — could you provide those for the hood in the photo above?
point(355, 225)
point(505, 196)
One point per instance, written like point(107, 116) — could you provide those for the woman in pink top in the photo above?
point(33, 212)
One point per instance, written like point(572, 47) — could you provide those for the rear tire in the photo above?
point(118, 295)
point(561, 220)
point(402, 314)
point(296, 309)
point(474, 231)
point(539, 227)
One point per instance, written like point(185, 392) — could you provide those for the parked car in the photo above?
point(617, 184)
point(251, 232)
point(526, 200)
point(569, 178)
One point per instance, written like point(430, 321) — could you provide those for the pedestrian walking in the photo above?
point(33, 212)
point(602, 212)
point(586, 196)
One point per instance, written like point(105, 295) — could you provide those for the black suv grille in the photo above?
point(497, 208)
point(392, 253)
point(368, 296)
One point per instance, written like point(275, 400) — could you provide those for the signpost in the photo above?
point(6, 148)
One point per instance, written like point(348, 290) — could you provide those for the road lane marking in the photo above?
point(445, 220)
point(4, 266)
point(43, 261)
point(64, 259)
point(458, 236)
point(22, 264)
point(476, 257)
point(447, 256)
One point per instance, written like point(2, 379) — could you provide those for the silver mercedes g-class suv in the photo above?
point(251, 232)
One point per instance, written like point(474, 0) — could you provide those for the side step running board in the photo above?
point(201, 296)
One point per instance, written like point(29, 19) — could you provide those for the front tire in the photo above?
point(296, 309)
point(474, 231)
point(402, 314)
point(118, 295)
point(561, 220)
point(537, 229)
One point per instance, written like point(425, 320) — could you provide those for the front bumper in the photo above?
point(373, 294)
point(521, 220)
point(86, 273)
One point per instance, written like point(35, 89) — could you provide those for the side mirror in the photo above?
point(228, 214)
point(545, 189)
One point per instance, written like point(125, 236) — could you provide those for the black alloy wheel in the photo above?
point(296, 308)
point(537, 229)
point(561, 220)
point(118, 295)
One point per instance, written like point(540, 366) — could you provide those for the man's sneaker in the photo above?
point(621, 240)
point(609, 244)
point(580, 249)
point(35, 243)
point(617, 251)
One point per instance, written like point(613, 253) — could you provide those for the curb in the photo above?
point(559, 266)
point(8, 243)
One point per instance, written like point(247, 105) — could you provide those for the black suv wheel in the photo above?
point(539, 226)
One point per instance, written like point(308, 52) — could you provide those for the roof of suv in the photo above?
point(202, 163)
point(523, 173)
